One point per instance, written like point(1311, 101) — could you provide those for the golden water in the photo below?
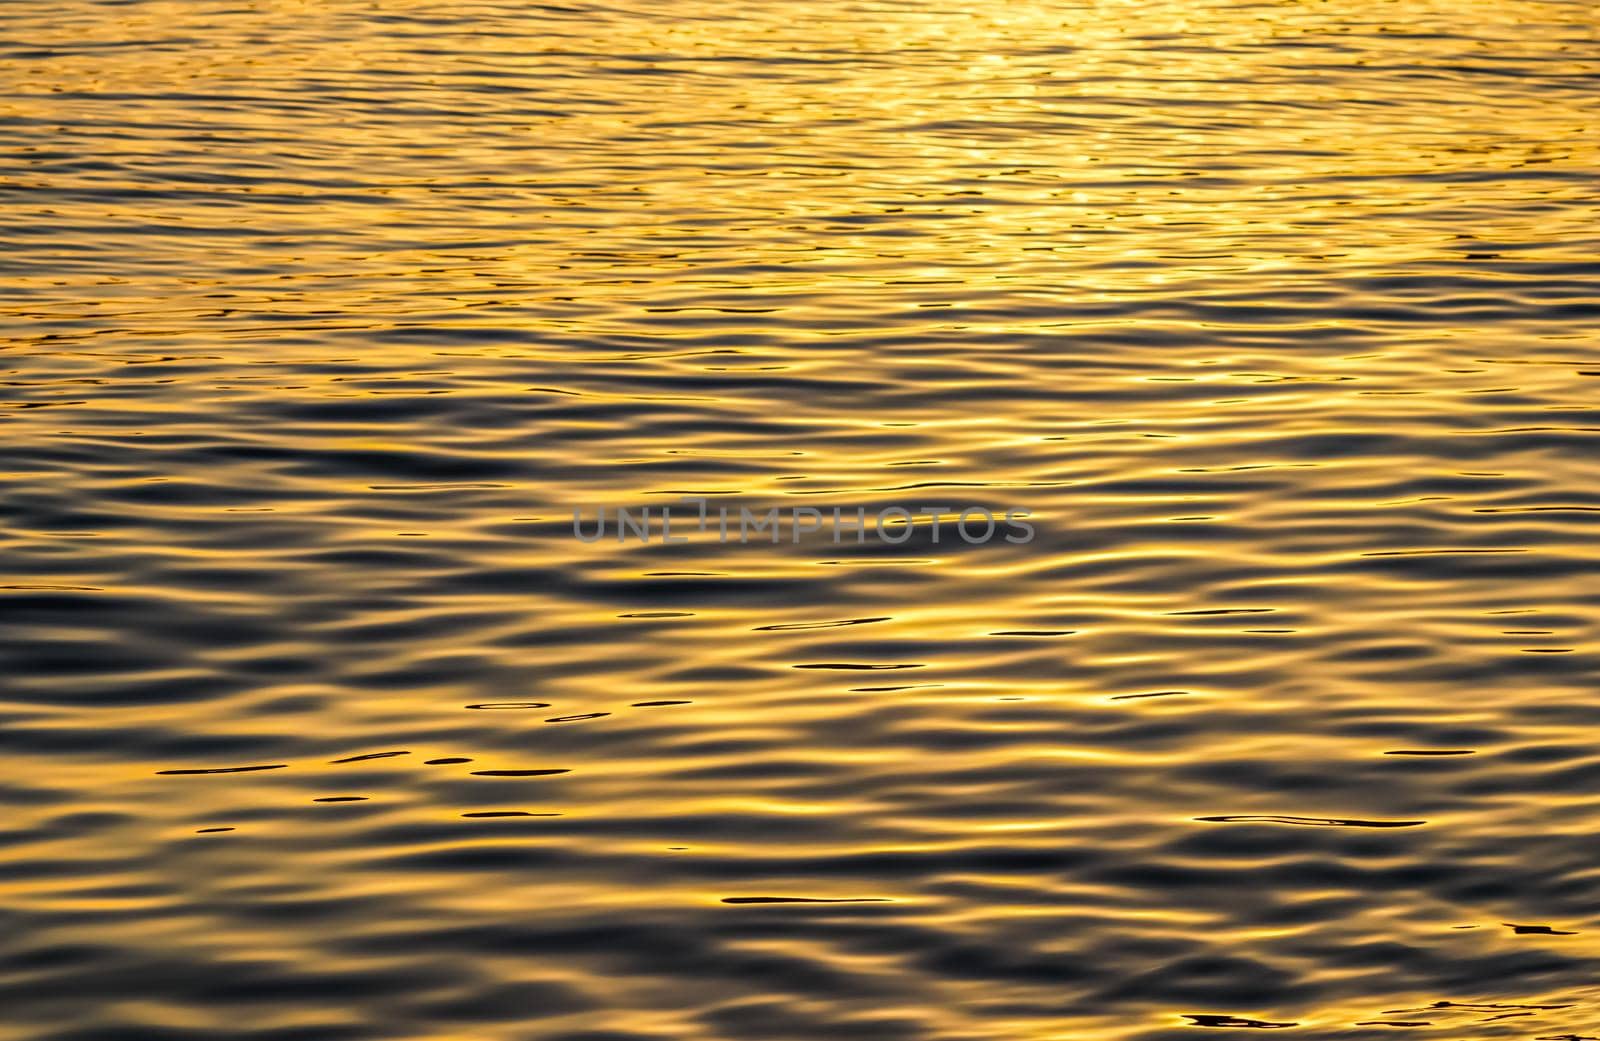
point(322, 316)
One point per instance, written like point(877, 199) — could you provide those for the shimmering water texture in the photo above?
point(319, 725)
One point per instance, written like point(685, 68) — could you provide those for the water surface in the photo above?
point(318, 724)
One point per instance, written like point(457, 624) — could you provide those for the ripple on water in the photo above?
point(323, 318)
